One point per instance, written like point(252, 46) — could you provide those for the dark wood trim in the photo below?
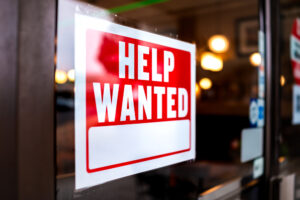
point(35, 100)
point(8, 94)
point(27, 99)
point(272, 105)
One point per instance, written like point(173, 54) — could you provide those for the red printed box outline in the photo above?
point(138, 160)
point(132, 161)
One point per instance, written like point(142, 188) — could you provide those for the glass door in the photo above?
point(229, 91)
point(289, 101)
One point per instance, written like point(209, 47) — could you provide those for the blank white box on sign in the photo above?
point(252, 144)
point(111, 145)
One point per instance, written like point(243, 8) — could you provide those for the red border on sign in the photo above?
point(132, 161)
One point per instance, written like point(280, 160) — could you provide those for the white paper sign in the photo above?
point(134, 101)
point(252, 144)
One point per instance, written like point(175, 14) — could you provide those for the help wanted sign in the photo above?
point(134, 101)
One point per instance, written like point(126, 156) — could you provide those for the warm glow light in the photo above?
point(212, 62)
point(281, 159)
point(255, 59)
point(282, 80)
point(71, 75)
point(234, 144)
point(60, 76)
point(218, 43)
point(205, 83)
point(198, 90)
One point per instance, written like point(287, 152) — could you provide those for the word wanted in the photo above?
point(133, 106)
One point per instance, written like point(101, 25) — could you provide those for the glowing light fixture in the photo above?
point(71, 75)
point(212, 62)
point(282, 80)
point(205, 83)
point(255, 59)
point(218, 43)
point(60, 76)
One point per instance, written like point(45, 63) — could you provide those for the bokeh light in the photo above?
point(205, 83)
point(255, 59)
point(218, 43)
point(282, 80)
point(60, 76)
point(212, 62)
point(198, 90)
point(71, 75)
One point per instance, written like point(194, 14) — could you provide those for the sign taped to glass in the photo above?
point(295, 50)
point(134, 101)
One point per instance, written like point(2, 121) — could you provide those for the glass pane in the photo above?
point(226, 35)
point(289, 63)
